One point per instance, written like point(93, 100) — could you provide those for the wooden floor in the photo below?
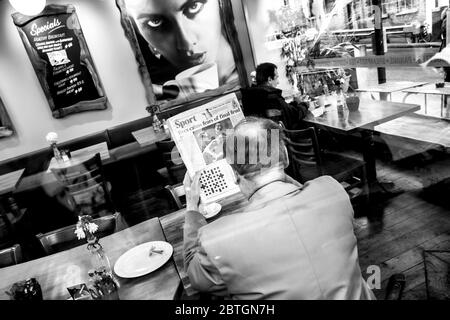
point(417, 219)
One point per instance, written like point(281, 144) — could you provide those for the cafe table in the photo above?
point(55, 273)
point(148, 136)
point(80, 155)
point(370, 114)
point(173, 224)
point(391, 87)
point(108, 156)
point(430, 89)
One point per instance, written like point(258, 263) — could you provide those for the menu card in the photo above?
point(58, 51)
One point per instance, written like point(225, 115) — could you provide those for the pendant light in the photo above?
point(28, 7)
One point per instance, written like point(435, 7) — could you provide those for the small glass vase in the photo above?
point(99, 258)
point(104, 285)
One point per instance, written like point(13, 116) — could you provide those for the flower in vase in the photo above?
point(52, 137)
point(85, 227)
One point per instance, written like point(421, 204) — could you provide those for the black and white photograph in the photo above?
point(222, 158)
point(211, 140)
point(184, 45)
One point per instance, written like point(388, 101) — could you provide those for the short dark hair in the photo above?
point(249, 149)
point(265, 71)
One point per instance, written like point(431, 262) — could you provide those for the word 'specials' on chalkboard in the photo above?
point(58, 51)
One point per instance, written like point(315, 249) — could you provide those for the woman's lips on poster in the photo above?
point(195, 58)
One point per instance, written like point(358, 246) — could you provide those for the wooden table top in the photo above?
point(392, 86)
point(370, 114)
point(61, 270)
point(80, 155)
point(9, 181)
point(148, 136)
point(419, 127)
point(173, 224)
point(430, 89)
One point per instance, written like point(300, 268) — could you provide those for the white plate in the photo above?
point(137, 261)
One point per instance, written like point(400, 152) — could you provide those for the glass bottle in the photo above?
point(99, 259)
point(166, 127)
point(341, 103)
point(156, 123)
point(56, 152)
point(326, 91)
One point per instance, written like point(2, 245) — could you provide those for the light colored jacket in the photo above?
point(295, 244)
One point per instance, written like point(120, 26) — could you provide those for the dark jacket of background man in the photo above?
point(265, 95)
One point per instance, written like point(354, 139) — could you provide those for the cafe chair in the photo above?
point(308, 161)
point(274, 115)
point(172, 160)
point(10, 256)
point(87, 191)
point(65, 238)
point(177, 195)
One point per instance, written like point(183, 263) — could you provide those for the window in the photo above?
point(398, 6)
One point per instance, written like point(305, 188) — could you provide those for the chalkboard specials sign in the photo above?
point(58, 51)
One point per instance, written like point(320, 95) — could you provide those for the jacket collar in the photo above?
point(269, 89)
point(271, 191)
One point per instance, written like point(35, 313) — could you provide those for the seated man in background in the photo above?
point(257, 100)
point(288, 242)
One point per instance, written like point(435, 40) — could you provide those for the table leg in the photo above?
point(442, 105)
point(375, 186)
point(369, 155)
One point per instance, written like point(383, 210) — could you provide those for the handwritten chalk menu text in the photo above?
point(58, 51)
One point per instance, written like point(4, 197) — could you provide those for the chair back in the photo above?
point(304, 153)
point(176, 193)
point(65, 238)
point(86, 187)
point(10, 256)
point(172, 160)
point(274, 115)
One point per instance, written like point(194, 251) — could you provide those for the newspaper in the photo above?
point(199, 135)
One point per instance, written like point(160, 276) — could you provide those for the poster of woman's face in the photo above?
point(6, 127)
point(183, 47)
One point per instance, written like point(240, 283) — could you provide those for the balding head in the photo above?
point(255, 146)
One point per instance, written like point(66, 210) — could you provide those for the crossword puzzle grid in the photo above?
point(212, 181)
